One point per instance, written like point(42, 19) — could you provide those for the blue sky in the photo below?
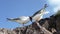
point(17, 8)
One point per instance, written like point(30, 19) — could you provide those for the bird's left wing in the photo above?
point(22, 19)
point(13, 19)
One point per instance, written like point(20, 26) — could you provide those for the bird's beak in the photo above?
point(46, 12)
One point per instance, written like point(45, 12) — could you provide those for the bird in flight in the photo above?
point(25, 19)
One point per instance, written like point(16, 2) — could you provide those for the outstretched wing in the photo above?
point(39, 11)
point(36, 13)
point(13, 19)
point(22, 19)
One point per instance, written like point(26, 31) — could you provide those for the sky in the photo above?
point(17, 8)
point(55, 4)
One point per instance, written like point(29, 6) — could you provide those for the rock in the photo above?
point(51, 24)
point(6, 31)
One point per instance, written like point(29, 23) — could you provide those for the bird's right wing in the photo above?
point(36, 13)
point(39, 11)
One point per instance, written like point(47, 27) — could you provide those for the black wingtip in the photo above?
point(8, 19)
point(45, 5)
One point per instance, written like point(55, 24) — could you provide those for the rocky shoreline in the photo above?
point(51, 24)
